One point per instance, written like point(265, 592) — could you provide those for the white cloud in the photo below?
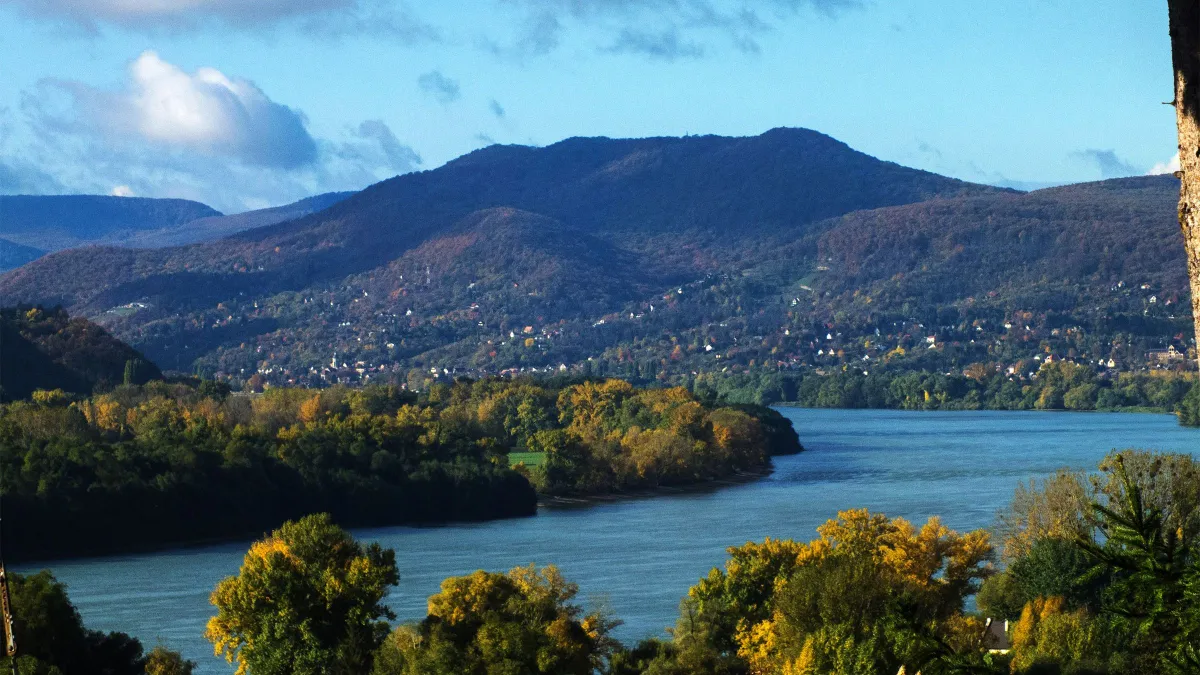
point(204, 135)
point(122, 191)
point(382, 149)
point(205, 111)
point(1170, 166)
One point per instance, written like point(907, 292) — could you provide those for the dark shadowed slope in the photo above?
point(55, 222)
point(46, 349)
point(217, 227)
point(14, 255)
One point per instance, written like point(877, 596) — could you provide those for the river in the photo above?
point(638, 557)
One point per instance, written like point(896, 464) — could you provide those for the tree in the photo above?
point(52, 638)
point(870, 595)
point(165, 662)
point(306, 601)
point(520, 622)
point(1156, 575)
point(1184, 18)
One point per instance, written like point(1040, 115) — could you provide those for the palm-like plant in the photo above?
point(1155, 591)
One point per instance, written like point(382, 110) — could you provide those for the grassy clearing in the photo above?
point(530, 459)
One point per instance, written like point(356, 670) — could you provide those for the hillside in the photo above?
point(13, 255)
point(649, 258)
point(215, 227)
point(46, 349)
point(34, 225)
point(55, 222)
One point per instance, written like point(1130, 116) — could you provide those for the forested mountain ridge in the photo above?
point(53, 222)
point(34, 225)
point(646, 259)
point(217, 226)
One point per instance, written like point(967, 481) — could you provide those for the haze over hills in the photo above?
point(55, 222)
point(218, 226)
point(14, 255)
point(647, 258)
point(35, 225)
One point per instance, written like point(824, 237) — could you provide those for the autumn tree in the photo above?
point(162, 661)
point(522, 621)
point(871, 594)
point(1102, 572)
point(306, 601)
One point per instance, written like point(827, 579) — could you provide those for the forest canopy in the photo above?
point(184, 462)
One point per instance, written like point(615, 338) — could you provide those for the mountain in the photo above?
point(34, 225)
point(14, 255)
point(46, 349)
point(215, 227)
point(55, 222)
point(647, 258)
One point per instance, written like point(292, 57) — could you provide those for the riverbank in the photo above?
point(712, 484)
point(543, 502)
point(639, 556)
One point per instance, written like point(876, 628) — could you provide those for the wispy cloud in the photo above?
point(22, 178)
point(397, 156)
point(497, 109)
point(660, 29)
point(437, 85)
point(319, 17)
point(666, 45)
point(1108, 163)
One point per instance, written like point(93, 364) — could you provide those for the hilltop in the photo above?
point(649, 258)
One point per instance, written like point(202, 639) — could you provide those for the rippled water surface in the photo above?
point(640, 556)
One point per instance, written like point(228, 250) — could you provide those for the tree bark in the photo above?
point(1185, 57)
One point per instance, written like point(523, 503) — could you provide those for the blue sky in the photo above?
point(250, 103)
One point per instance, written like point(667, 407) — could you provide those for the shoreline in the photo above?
point(709, 485)
point(549, 502)
point(1131, 410)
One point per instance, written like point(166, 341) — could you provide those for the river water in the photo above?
point(638, 557)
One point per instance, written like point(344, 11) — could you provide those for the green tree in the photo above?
point(306, 601)
point(1189, 408)
point(52, 638)
point(1156, 588)
point(521, 623)
point(1057, 567)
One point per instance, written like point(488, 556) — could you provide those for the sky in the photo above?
point(244, 104)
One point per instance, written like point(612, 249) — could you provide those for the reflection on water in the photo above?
point(640, 556)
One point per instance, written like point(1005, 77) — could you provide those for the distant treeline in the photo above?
point(1060, 385)
point(166, 463)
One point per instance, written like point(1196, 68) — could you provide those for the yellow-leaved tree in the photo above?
point(306, 601)
point(869, 595)
point(521, 621)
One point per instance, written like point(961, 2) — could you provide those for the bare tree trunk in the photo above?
point(1185, 56)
